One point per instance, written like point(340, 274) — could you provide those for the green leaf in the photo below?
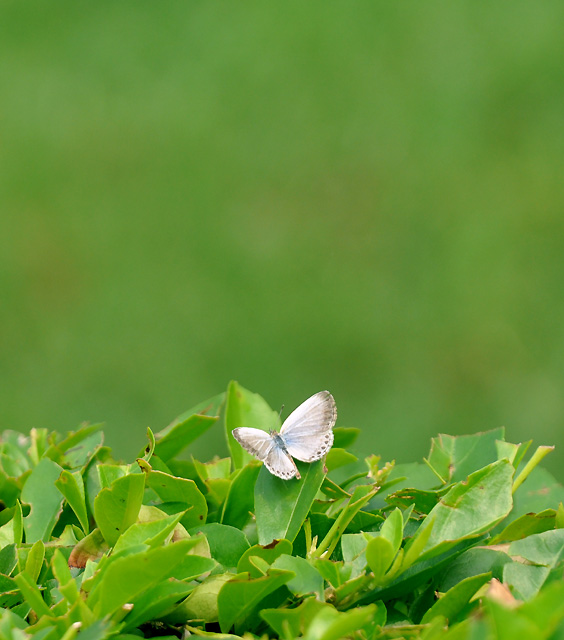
point(542, 548)
point(330, 624)
point(392, 529)
point(353, 548)
point(151, 533)
point(308, 579)
point(44, 498)
point(32, 594)
point(116, 508)
point(34, 560)
point(333, 490)
point(182, 491)
point(127, 578)
point(379, 556)
point(155, 602)
point(150, 448)
point(423, 501)
point(240, 597)
point(281, 506)
point(334, 572)
point(227, 544)
point(338, 458)
point(108, 473)
point(181, 432)
point(91, 547)
point(537, 456)
point(470, 507)
point(453, 601)
point(8, 559)
point(77, 447)
point(513, 452)
point(67, 585)
point(540, 491)
point(536, 555)
point(71, 486)
point(240, 502)
point(292, 623)
point(474, 562)
point(526, 525)
point(547, 609)
point(201, 604)
point(414, 576)
point(246, 409)
point(455, 457)
point(525, 580)
point(559, 518)
point(268, 553)
point(344, 437)
point(361, 495)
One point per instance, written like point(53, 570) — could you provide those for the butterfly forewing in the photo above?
point(308, 431)
point(257, 442)
point(316, 415)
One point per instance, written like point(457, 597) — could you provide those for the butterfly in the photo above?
point(307, 435)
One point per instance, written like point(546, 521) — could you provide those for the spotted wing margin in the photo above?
point(308, 431)
point(257, 442)
point(261, 444)
point(279, 463)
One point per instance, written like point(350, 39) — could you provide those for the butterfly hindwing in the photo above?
point(264, 447)
point(309, 448)
point(280, 464)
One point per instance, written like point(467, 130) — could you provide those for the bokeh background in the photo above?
point(364, 197)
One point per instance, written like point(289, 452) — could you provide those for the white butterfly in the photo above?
point(307, 435)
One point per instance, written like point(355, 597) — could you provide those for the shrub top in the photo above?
point(469, 541)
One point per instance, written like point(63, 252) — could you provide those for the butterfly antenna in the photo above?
point(281, 409)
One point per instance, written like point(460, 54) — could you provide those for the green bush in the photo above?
point(467, 544)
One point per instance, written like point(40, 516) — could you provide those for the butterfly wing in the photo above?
point(262, 445)
point(256, 441)
point(308, 431)
point(279, 463)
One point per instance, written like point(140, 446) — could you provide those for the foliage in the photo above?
point(468, 543)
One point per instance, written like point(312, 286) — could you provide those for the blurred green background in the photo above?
point(360, 197)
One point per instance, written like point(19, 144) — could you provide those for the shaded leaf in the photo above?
point(307, 579)
point(455, 457)
point(453, 601)
point(268, 553)
point(126, 578)
point(71, 486)
point(187, 427)
point(239, 598)
point(293, 623)
point(246, 409)
point(470, 507)
point(116, 508)
point(227, 544)
point(240, 501)
point(44, 499)
point(281, 506)
point(344, 437)
point(182, 492)
point(91, 547)
point(474, 562)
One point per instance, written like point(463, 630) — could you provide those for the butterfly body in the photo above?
point(307, 435)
